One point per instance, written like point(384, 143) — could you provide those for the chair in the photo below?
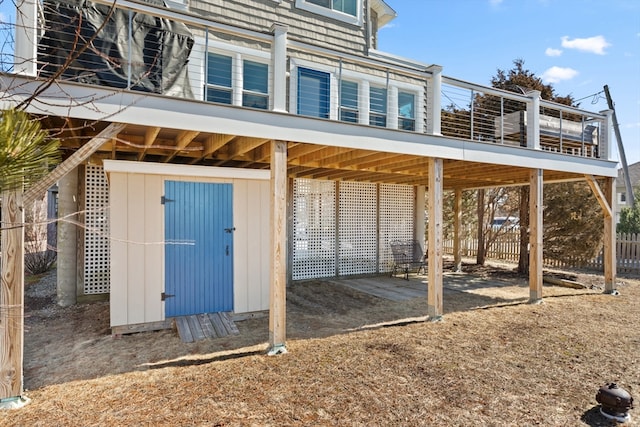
point(408, 256)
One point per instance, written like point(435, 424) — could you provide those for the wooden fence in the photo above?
point(507, 247)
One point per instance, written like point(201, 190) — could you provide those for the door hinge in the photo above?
point(164, 296)
point(165, 200)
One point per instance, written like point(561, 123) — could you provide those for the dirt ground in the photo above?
point(75, 343)
point(354, 360)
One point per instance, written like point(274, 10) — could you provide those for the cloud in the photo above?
point(557, 74)
point(553, 52)
point(495, 3)
point(595, 44)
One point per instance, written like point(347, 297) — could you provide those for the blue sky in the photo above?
point(577, 45)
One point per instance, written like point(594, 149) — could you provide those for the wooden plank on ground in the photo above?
point(196, 329)
point(229, 324)
point(217, 324)
point(207, 327)
point(184, 332)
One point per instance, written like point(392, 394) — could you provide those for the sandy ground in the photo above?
point(75, 343)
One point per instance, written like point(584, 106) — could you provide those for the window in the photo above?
point(349, 11)
point(219, 82)
point(255, 92)
point(350, 7)
point(406, 111)
point(349, 101)
point(313, 93)
point(378, 106)
point(623, 197)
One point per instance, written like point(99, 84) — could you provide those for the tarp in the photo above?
point(90, 43)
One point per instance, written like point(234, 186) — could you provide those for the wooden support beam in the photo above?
point(12, 296)
point(600, 196)
point(457, 226)
point(212, 144)
point(149, 137)
point(242, 145)
point(435, 276)
point(535, 235)
point(278, 231)
point(79, 156)
point(183, 139)
point(610, 238)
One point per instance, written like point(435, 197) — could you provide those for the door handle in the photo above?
point(227, 250)
point(229, 230)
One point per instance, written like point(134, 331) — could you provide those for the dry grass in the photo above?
point(516, 364)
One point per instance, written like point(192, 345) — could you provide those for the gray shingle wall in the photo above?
point(259, 15)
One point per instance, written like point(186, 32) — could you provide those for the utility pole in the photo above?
point(623, 157)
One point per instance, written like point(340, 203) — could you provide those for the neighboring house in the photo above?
point(621, 189)
point(220, 149)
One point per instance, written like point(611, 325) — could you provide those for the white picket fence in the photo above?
point(507, 248)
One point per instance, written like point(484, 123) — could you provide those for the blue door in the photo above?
point(198, 221)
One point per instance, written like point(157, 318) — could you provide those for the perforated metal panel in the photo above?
point(357, 228)
point(96, 236)
point(396, 219)
point(314, 229)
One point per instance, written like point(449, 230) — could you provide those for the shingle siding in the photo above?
point(304, 26)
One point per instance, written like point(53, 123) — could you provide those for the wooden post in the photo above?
point(457, 225)
point(12, 296)
point(434, 290)
point(278, 279)
point(420, 215)
point(535, 235)
point(610, 237)
point(67, 239)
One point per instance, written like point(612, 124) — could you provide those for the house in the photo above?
point(622, 197)
point(218, 149)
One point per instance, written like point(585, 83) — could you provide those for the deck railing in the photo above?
point(163, 51)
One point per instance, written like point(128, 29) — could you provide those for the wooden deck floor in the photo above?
point(399, 289)
point(200, 326)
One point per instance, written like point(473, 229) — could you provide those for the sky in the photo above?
point(578, 46)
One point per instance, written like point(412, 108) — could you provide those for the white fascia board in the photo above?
point(147, 168)
point(483, 152)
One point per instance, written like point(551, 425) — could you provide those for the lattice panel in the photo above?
point(357, 228)
point(314, 229)
point(396, 219)
point(96, 236)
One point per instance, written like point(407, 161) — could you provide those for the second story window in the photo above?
point(219, 79)
point(349, 11)
point(313, 93)
point(255, 92)
point(406, 111)
point(378, 106)
point(221, 82)
point(350, 7)
point(349, 101)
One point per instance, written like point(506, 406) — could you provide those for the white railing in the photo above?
point(169, 52)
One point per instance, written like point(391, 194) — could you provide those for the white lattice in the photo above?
point(314, 229)
point(357, 229)
point(96, 236)
point(396, 219)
